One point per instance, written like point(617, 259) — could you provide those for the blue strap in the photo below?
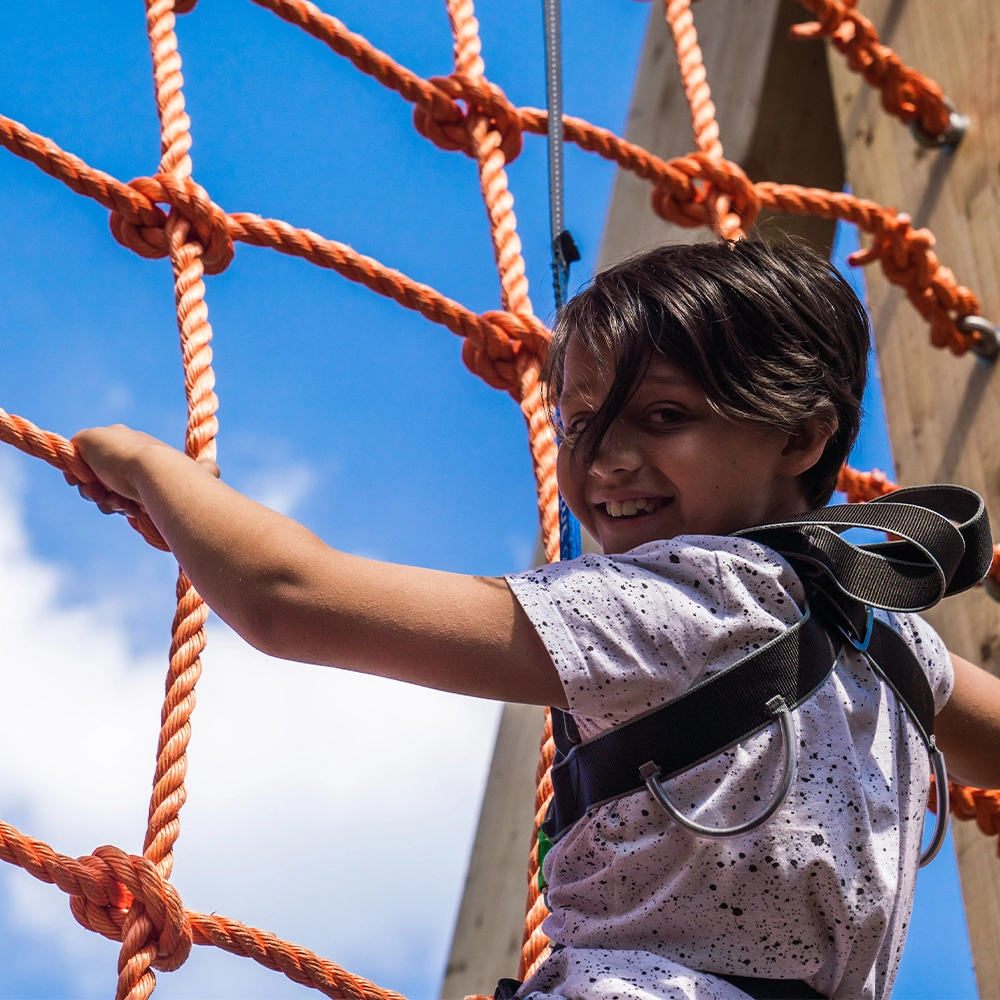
point(570, 545)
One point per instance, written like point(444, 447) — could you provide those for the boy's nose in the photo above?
point(619, 452)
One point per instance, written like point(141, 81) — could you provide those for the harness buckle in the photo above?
point(862, 646)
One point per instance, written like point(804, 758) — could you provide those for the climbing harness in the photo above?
point(941, 546)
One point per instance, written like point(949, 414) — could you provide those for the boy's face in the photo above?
point(669, 465)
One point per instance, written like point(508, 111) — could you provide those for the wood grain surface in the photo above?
point(943, 411)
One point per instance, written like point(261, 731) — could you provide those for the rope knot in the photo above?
point(497, 349)
point(702, 190)
point(146, 236)
point(445, 123)
point(126, 891)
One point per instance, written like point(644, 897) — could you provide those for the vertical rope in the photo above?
point(136, 980)
point(510, 266)
point(514, 295)
point(694, 79)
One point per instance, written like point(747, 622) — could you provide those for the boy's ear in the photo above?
point(805, 445)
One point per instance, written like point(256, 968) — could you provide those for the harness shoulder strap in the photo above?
point(893, 661)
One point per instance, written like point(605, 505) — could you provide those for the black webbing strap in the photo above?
point(893, 660)
point(712, 716)
point(943, 545)
point(771, 989)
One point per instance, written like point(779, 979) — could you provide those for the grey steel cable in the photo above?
point(553, 94)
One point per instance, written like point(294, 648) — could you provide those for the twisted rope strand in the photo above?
point(136, 980)
point(694, 80)
point(906, 93)
point(487, 144)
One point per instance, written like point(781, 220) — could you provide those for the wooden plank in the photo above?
point(943, 412)
point(487, 942)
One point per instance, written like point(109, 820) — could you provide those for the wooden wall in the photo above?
point(943, 411)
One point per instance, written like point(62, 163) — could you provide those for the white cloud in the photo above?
point(335, 810)
point(282, 488)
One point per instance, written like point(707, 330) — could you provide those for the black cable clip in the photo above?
point(564, 253)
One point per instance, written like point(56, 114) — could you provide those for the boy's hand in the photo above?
point(115, 454)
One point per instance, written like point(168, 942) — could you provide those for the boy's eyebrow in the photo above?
point(668, 379)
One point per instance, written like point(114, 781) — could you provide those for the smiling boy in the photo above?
point(701, 390)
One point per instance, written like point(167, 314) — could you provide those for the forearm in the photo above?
point(243, 558)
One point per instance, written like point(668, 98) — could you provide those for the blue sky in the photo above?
point(338, 407)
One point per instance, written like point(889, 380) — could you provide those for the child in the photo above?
point(700, 390)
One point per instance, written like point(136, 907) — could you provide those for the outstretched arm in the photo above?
point(967, 729)
point(291, 595)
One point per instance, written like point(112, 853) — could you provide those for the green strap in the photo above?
point(544, 846)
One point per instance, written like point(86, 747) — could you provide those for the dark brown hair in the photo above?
point(769, 331)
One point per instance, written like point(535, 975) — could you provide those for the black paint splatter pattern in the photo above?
point(823, 891)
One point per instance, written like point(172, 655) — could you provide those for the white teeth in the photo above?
point(629, 508)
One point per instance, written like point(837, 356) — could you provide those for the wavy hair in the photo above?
point(769, 331)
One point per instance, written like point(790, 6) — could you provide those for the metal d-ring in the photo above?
point(650, 772)
point(941, 793)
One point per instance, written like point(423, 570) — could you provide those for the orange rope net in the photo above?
point(130, 898)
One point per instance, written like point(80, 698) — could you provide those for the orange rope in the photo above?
point(107, 886)
point(694, 80)
point(486, 141)
point(906, 93)
point(129, 898)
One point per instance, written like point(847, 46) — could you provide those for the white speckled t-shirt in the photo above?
point(821, 892)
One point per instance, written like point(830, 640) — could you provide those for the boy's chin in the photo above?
point(621, 534)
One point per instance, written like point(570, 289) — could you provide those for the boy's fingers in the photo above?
point(94, 492)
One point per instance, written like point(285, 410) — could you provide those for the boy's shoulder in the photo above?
point(744, 570)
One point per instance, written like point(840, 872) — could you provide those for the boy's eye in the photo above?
point(666, 415)
point(570, 429)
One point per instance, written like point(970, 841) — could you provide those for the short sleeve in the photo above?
point(628, 633)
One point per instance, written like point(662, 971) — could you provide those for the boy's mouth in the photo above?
point(634, 508)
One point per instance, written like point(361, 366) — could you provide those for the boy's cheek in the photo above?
point(571, 488)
